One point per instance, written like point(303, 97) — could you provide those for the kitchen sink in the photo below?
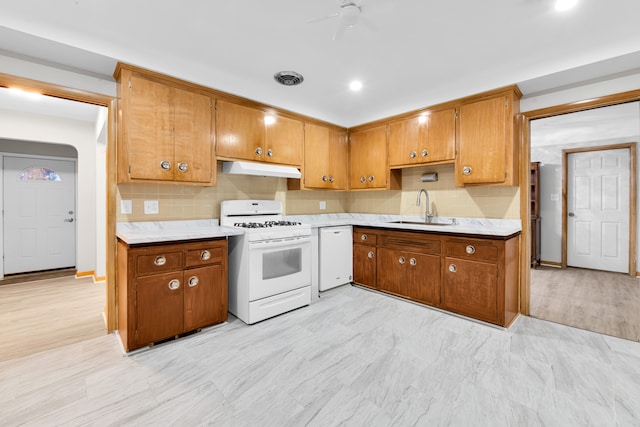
point(422, 223)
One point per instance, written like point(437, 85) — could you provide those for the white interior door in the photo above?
point(39, 214)
point(598, 209)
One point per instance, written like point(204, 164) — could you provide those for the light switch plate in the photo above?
point(323, 205)
point(126, 207)
point(151, 207)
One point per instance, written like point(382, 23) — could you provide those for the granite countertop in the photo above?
point(477, 226)
point(170, 231)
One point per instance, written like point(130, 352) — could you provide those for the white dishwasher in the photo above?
point(336, 256)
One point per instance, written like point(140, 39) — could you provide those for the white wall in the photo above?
point(81, 136)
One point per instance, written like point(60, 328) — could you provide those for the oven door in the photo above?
point(279, 265)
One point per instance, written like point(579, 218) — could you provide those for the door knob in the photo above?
point(68, 220)
point(572, 214)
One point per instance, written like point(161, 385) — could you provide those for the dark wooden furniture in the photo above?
point(165, 290)
point(472, 276)
point(535, 214)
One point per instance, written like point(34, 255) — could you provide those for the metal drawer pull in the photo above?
point(363, 179)
point(413, 261)
point(182, 167)
point(160, 260)
point(466, 170)
point(425, 153)
point(193, 281)
point(371, 178)
point(174, 284)
point(324, 178)
point(331, 179)
point(370, 254)
point(401, 260)
point(363, 237)
point(270, 152)
point(453, 268)
point(259, 151)
point(205, 255)
point(413, 155)
point(165, 165)
point(470, 249)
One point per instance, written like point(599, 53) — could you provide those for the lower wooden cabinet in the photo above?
point(475, 277)
point(170, 289)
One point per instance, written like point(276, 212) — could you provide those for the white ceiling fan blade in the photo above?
point(323, 18)
point(367, 23)
point(339, 31)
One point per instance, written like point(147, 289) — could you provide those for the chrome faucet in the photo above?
point(427, 216)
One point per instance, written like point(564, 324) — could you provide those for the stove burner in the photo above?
point(265, 224)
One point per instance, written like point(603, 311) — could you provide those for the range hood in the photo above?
point(260, 169)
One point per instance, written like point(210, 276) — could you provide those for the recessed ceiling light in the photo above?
point(355, 85)
point(562, 5)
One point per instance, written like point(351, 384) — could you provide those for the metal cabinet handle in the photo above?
point(424, 153)
point(160, 261)
point(413, 261)
point(466, 170)
point(363, 237)
point(182, 167)
point(370, 255)
point(324, 178)
point(363, 179)
point(270, 152)
point(68, 220)
point(401, 260)
point(174, 284)
point(572, 214)
point(371, 178)
point(165, 165)
point(193, 281)
point(331, 179)
point(470, 249)
point(413, 155)
point(205, 255)
point(453, 268)
point(259, 151)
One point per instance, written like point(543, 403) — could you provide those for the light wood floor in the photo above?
point(598, 301)
point(44, 314)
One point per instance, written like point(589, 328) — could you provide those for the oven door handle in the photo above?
point(278, 243)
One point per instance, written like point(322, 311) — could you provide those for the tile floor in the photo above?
point(354, 358)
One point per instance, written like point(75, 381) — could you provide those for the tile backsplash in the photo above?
point(180, 202)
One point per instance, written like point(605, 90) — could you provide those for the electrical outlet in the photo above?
point(126, 207)
point(323, 205)
point(151, 207)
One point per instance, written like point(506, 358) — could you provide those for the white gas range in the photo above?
point(270, 265)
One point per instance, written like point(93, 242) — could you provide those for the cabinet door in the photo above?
point(338, 160)
point(368, 158)
point(392, 270)
point(205, 297)
point(404, 138)
point(148, 131)
point(159, 307)
point(364, 265)
point(411, 275)
point(316, 156)
point(194, 160)
point(471, 288)
point(439, 143)
point(283, 141)
point(240, 131)
point(482, 142)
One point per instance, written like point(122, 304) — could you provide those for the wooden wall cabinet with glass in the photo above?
point(325, 158)
point(169, 289)
point(487, 149)
point(429, 137)
point(480, 278)
point(165, 131)
point(368, 161)
point(246, 133)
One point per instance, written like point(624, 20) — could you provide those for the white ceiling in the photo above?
point(415, 53)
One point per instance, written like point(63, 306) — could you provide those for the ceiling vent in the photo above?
point(288, 78)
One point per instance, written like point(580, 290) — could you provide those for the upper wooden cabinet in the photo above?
point(369, 167)
point(325, 157)
point(165, 132)
point(251, 134)
point(487, 152)
point(425, 138)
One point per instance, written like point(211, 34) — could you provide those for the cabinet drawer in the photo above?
point(159, 262)
point(203, 256)
point(411, 242)
point(477, 250)
point(364, 237)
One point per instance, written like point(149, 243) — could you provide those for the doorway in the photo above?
point(584, 157)
point(39, 222)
